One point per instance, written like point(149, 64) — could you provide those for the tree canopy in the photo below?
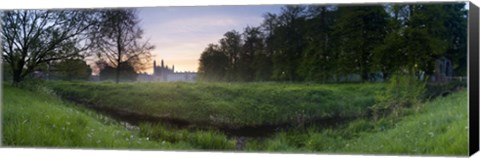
point(30, 38)
point(335, 43)
point(118, 40)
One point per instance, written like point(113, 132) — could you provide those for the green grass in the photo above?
point(211, 140)
point(224, 104)
point(440, 128)
point(38, 119)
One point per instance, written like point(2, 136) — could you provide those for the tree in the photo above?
point(34, 37)
point(252, 58)
point(213, 64)
point(317, 63)
point(264, 61)
point(72, 69)
point(231, 46)
point(288, 43)
point(418, 38)
point(456, 26)
point(261, 64)
point(361, 29)
point(118, 40)
point(126, 73)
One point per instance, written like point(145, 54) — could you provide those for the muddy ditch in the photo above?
point(260, 131)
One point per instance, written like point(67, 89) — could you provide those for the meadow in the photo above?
point(47, 116)
point(231, 105)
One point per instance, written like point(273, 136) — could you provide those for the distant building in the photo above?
point(162, 73)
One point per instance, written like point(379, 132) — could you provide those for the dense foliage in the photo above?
point(341, 43)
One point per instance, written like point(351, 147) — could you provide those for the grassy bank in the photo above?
point(226, 104)
point(440, 128)
point(38, 119)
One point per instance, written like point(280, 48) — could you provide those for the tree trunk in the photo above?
point(117, 74)
point(17, 77)
point(365, 76)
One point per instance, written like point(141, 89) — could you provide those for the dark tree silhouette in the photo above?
point(119, 40)
point(34, 37)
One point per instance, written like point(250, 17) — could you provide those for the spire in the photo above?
point(162, 63)
point(154, 66)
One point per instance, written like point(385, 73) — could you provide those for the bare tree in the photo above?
point(119, 40)
point(33, 37)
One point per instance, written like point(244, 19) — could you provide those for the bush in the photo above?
point(403, 90)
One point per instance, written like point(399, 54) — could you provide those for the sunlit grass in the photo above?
point(35, 119)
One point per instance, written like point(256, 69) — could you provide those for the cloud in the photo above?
point(181, 34)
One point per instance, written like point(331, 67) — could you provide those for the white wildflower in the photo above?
point(431, 134)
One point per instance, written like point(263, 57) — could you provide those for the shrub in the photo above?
point(403, 90)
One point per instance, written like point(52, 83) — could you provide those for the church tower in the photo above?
point(162, 63)
point(154, 66)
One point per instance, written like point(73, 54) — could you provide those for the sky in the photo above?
point(180, 34)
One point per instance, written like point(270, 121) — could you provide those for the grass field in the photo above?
point(40, 118)
point(223, 104)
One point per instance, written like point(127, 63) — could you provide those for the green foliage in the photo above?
point(126, 72)
point(211, 140)
point(441, 128)
point(227, 104)
point(403, 90)
point(213, 64)
point(37, 119)
point(72, 69)
point(361, 29)
point(328, 43)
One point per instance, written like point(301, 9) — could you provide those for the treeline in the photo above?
point(328, 43)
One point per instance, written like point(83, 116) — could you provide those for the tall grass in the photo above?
point(37, 119)
point(212, 140)
point(439, 128)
